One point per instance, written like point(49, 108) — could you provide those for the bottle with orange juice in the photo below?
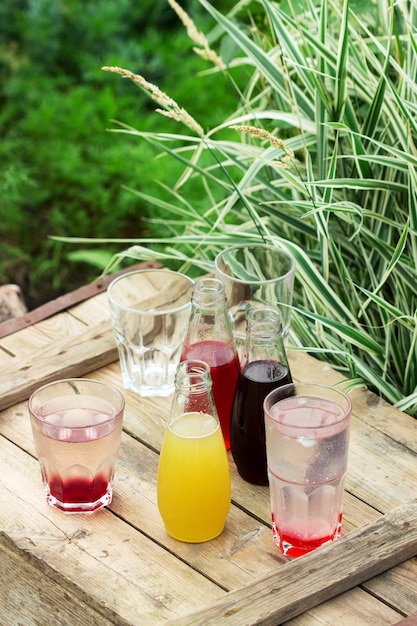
point(194, 486)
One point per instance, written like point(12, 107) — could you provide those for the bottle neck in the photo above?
point(209, 319)
point(264, 339)
point(209, 294)
point(193, 390)
point(193, 377)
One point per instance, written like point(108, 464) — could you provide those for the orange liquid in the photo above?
point(194, 488)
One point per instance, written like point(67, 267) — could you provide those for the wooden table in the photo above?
point(119, 566)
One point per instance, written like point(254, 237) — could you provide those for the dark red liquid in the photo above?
point(78, 490)
point(247, 433)
point(224, 368)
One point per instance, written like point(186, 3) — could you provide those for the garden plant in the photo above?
point(319, 157)
point(59, 173)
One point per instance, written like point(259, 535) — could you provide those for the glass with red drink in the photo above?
point(307, 439)
point(76, 425)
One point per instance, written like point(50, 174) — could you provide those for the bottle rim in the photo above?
point(264, 322)
point(209, 293)
point(225, 269)
point(193, 374)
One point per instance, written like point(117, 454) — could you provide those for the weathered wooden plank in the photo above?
point(5, 357)
point(394, 587)
point(99, 558)
point(380, 601)
point(57, 327)
point(380, 470)
point(26, 341)
point(73, 356)
point(92, 313)
point(28, 597)
point(352, 608)
point(53, 307)
point(318, 576)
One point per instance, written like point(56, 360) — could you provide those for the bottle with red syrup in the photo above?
point(264, 367)
point(209, 338)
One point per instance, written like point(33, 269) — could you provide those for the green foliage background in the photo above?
point(61, 173)
point(323, 162)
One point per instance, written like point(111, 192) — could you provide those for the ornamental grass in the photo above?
point(319, 158)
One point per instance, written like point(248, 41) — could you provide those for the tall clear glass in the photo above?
point(307, 441)
point(256, 275)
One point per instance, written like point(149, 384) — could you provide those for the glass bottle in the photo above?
point(264, 367)
point(209, 337)
point(194, 485)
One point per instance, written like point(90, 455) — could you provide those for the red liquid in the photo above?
point(76, 490)
point(292, 544)
point(247, 432)
point(224, 368)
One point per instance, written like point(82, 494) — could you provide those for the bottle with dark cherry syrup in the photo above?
point(264, 367)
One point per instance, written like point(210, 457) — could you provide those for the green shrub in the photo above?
point(60, 174)
point(323, 162)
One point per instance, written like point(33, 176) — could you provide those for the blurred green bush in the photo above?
point(60, 171)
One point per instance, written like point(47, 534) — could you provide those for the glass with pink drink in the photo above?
point(307, 440)
point(76, 425)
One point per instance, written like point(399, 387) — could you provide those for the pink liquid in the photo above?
point(77, 446)
point(224, 368)
point(296, 543)
point(307, 460)
point(308, 412)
